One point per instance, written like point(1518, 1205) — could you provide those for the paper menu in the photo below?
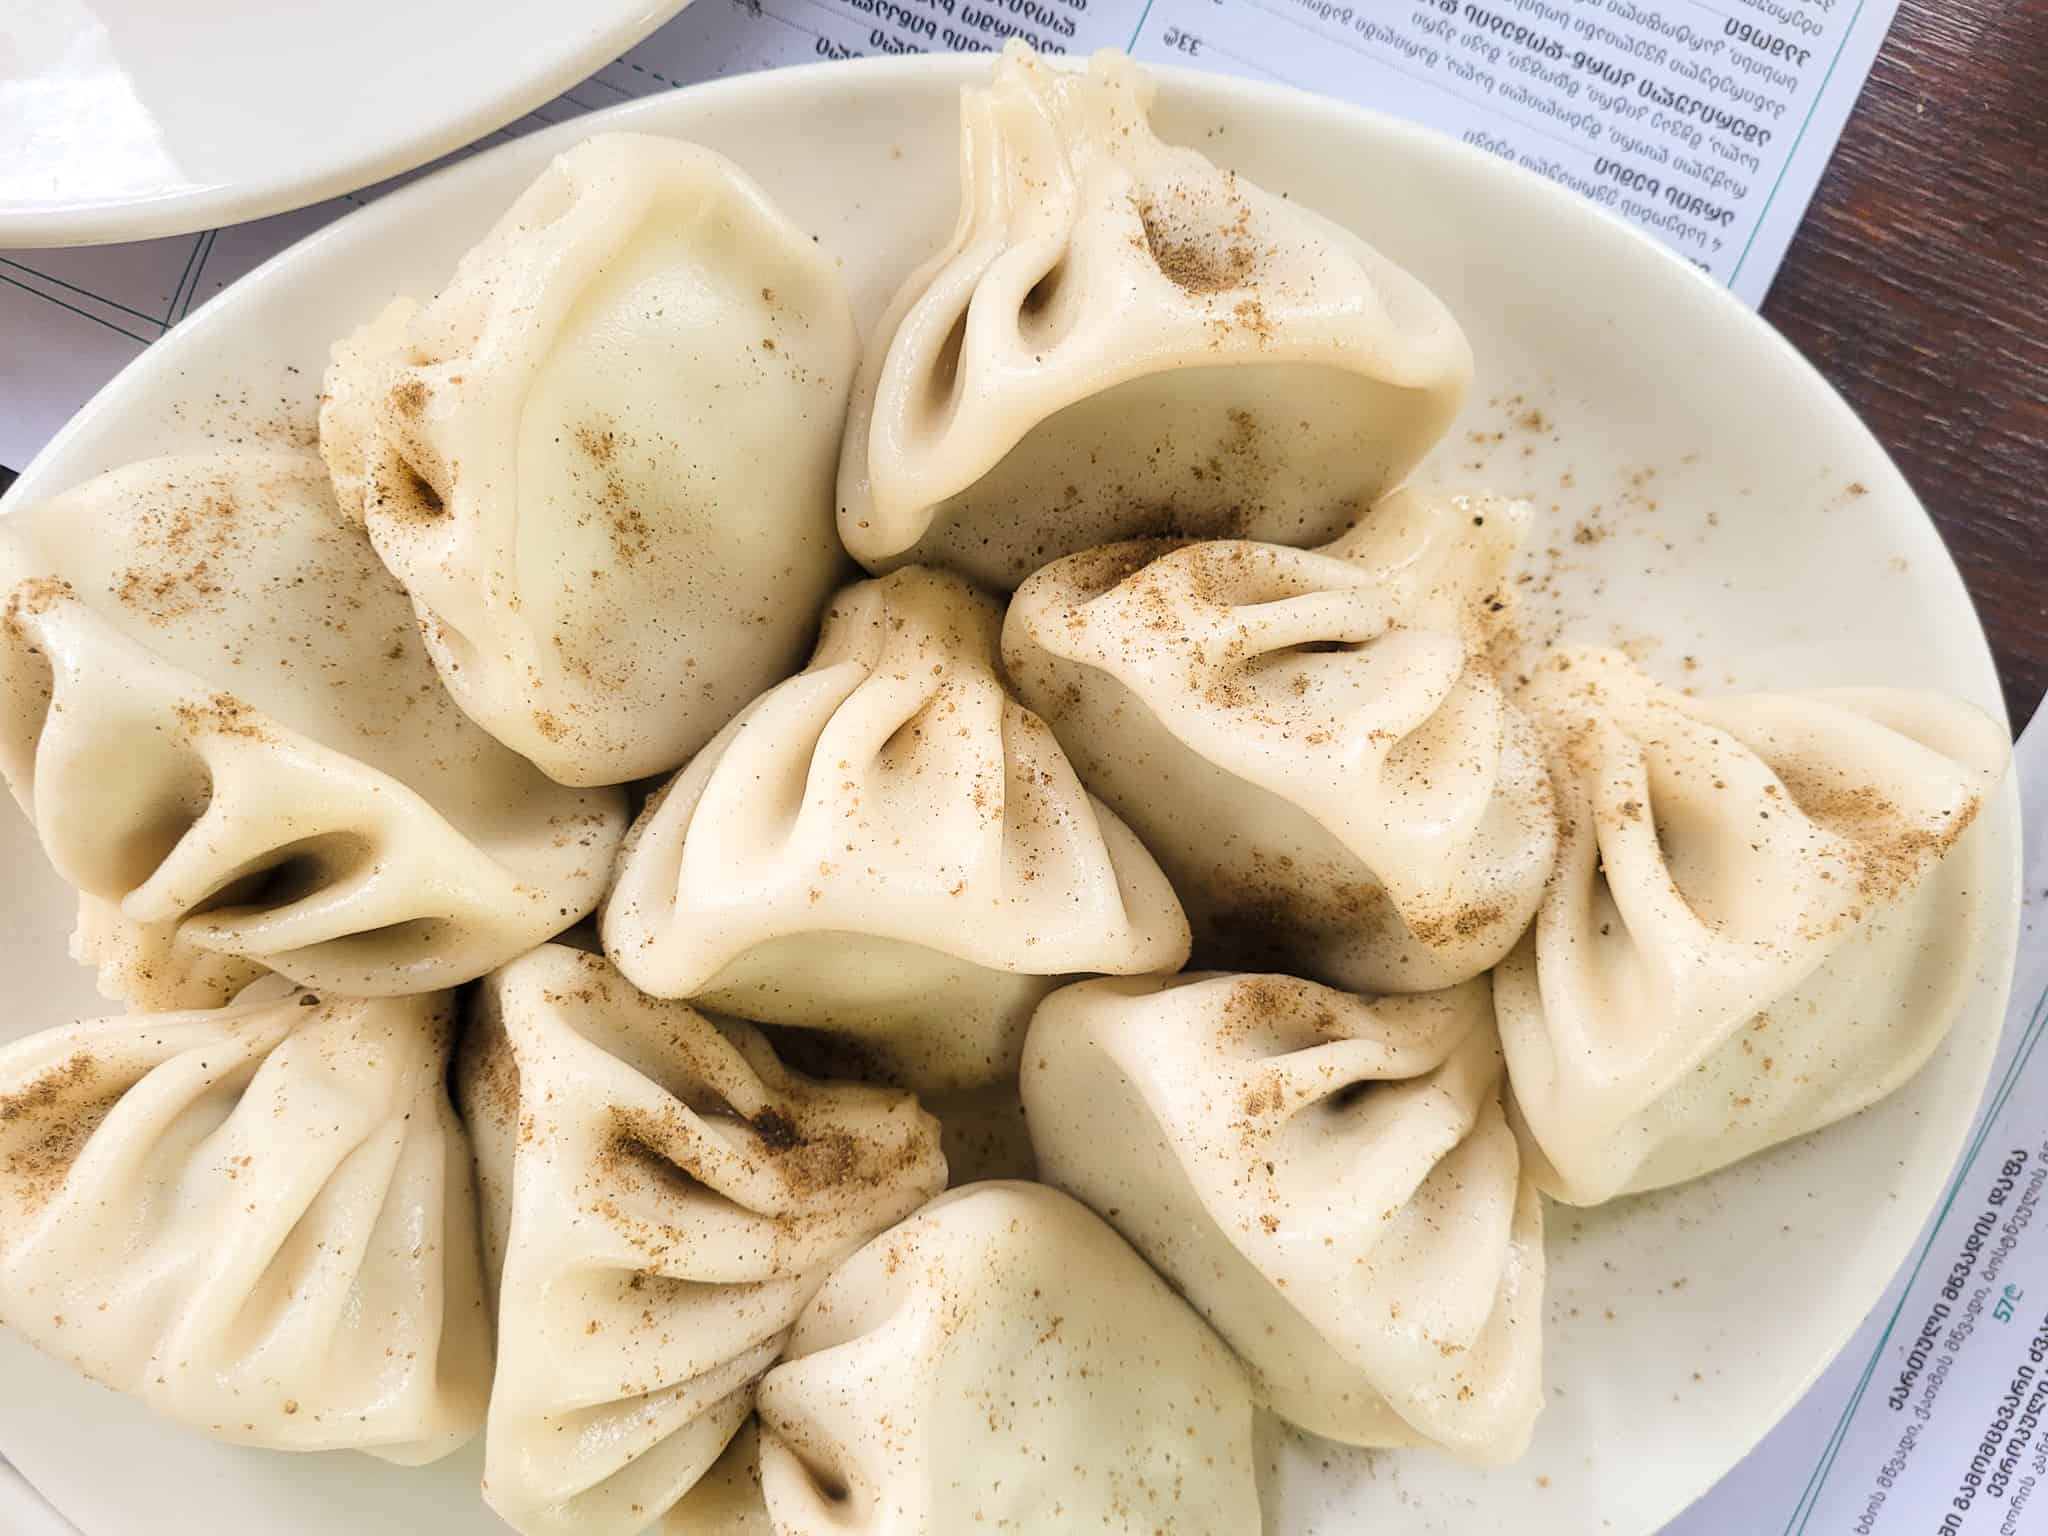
point(1705, 121)
point(1696, 122)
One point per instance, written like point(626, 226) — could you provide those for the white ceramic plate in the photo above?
point(130, 119)
point(1707, 497)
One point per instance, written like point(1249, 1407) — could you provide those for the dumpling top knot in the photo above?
point(1123, 338)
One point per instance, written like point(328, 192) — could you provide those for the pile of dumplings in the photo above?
point(1149, 963)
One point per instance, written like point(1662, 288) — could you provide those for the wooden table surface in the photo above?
point(1919, 286)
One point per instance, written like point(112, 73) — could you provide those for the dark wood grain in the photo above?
point(1919, 286)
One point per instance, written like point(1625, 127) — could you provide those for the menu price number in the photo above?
point(1181, 40)
point(2005, 1310)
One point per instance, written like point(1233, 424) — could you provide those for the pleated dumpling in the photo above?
point(889, 846)
point(1003, 1362)
point(601, 460)
point(260, 1220)
point(1310, 741)
point(216, 710)
point(661, 1198)
point(1121, 339)
point(1761, 920)
point(1329, 1179)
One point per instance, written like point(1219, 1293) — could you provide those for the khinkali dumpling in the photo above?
point(1003, 1362)
point(149, 967)
point(662, 1198)
point(890, 846)
point(1330, 1181)
point(215, 708)
point(1122, 338)
point(1309, 740)
point(259, 1220)
point(1756, 926)
point(601, 459)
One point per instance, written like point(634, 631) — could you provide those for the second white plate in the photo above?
point(131, 119)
